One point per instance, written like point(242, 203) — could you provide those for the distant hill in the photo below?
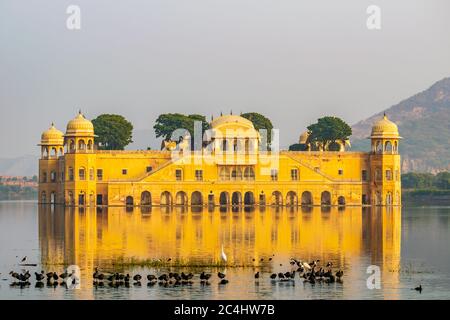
point(22, 166)
point(424, 124)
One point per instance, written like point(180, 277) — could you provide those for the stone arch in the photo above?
point(236, 198)
point(388, 147)
point(262, 199)
point(43, 197)
point(225, 173)
point(307, 198)
point(53, 152)
point(81, 145)
point(247, 145)
point(90, 145)
point(181, 198)
point(379, 147)
point(81, 198)
point(325, 198)
point(71, 145)
point(291, 199)
point(166, 198)
point(53, 176)
point(196, 198)
point(224, 145)
point(211, 201)
point(249, 173)
point(395, 148)
point(277, 198)
point(53, 197)
point(378, 200)
point(249, 199)
point(236, 173)
point(129, 201)
point(82, 173)
point(224, 198)
point(146, 198)
point(341, 200)
point(389, 199)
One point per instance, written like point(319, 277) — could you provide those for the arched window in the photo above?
point(71, 145)
point(325, 198)
point(249, 173)
point(44, 176)
point(224, 173)
point(379, 147)
point(43, 197)
point(53, 176)
point(89, 145)
point(395, 147)
point(224, 145)
point(53, 153)
point(235, 145)
point(146, 198)
point(70, 174)
point(236, 173)
point(247, 145)
point(91, 174)
point(81, 145)
point(307, 199)
point(82, 173)
point(388, 147)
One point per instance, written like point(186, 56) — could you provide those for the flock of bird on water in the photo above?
point(310, 272)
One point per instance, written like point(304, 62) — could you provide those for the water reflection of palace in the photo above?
point(90, 237)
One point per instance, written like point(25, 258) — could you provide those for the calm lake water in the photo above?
point(409, 245)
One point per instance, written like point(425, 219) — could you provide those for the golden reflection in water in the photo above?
point(91, 237)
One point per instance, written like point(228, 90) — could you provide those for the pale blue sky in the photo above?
point(291, 60)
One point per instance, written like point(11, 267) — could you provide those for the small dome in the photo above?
point(80, 126)
point(384, 128)
point(52, 136)
point(231, 120)
point(303, 138)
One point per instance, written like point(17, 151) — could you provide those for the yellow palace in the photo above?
point(229, 170)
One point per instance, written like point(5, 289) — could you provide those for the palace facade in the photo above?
point(229, 169)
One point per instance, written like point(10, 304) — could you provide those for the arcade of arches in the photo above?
point(235, 198)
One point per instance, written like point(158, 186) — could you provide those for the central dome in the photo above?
point(231, 120)
point(384, 128)
point(80, 126)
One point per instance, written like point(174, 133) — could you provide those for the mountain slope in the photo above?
point(22, 166)
point(424, 124)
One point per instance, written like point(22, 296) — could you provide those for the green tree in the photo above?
point(167, 123)
point(328, 131)
point(114, 132)
point(260, 122)
point(417, 180)
point(442, 180)
point(297, 147)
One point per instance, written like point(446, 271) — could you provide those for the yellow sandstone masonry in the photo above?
point(230, 170)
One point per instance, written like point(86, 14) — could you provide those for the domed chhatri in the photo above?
point(230, 170)
point(303, 138)
point(228, 120)
point(80, 126)
point(52, 136)
point(384, 128)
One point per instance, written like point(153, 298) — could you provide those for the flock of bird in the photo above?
point(165, 279)
point(311, 272)
point(52, 279)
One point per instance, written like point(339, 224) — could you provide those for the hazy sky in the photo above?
point(291, 60)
